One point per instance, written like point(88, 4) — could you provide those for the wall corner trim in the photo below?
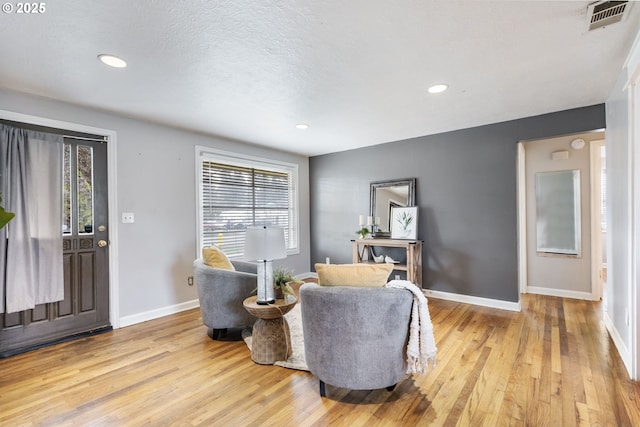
point(468, 299)
point(562, 293)
point(157, 313)
point(624, 352)
point(633, 58)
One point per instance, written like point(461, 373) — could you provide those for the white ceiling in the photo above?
point(357, 71)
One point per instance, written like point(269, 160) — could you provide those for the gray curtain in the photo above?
point(31, 244)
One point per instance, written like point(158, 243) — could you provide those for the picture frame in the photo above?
point(404, 223)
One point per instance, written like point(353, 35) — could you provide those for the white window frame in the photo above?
point(243, 160)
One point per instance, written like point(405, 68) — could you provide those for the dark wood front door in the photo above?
point(85, 231)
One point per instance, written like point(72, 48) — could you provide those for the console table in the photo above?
point(413, 249)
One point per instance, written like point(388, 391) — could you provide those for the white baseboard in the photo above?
point(560, 293)
point(159, 312)
point(624, 352)
point(467, 299)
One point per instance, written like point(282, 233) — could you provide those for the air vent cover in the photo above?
point(603, 13)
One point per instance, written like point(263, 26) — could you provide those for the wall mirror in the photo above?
point(389, 194)
point(558, 212)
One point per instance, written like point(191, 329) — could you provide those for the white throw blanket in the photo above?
point(422, 345)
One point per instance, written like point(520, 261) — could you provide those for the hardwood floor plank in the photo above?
point(553, 364)
point(557, 401)
point(556, 360)
point(463, 399)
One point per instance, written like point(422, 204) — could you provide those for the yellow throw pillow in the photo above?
point(214, 257)
point(371, 275)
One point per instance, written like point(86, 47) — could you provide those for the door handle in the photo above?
point(102, 243)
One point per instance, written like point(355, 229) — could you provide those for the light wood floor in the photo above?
point(550, 365)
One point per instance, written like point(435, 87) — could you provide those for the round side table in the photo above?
point(271, 339)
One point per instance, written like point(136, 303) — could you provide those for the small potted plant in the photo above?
point(363, 232)
point(5, 217)
point(282, 281)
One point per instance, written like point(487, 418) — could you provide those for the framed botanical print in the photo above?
point(404, 223)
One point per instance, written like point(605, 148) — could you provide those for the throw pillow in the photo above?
point(214, 257)
point(371, 275)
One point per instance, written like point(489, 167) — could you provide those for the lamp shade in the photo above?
point(264, 243)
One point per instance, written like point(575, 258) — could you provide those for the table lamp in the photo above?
point(264, 244)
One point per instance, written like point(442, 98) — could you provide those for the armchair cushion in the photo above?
point(361, 275)
point(214, 257)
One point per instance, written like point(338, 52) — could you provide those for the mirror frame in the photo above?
point(411, 196)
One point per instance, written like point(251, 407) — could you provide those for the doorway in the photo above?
point(550, 264)
point(90, 297)
point(599, 220)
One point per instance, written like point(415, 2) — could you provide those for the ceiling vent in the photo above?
point(603, 13)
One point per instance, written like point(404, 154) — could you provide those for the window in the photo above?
point(236, 192)
point(77, 197)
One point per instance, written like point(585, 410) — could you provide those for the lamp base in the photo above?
point(265, 283)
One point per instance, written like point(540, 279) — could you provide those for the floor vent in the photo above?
point(603, 13)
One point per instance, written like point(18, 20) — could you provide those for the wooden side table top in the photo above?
point(269, 311)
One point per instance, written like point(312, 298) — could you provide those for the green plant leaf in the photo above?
point(5, 217)
point(281, 276)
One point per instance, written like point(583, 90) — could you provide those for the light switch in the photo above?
point(128, 218)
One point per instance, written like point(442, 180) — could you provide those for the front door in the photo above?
point(85, 231)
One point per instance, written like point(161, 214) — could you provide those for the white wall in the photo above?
point(619, 240)
point(156, 181)
point(632, 87)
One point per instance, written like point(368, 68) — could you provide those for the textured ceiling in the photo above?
point(356, 71)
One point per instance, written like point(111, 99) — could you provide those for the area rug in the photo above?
point(296, 360)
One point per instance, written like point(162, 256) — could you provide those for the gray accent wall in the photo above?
point(466, 194)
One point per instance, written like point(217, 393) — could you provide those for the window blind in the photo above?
point(236, 197)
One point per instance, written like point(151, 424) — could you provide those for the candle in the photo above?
point(361, 220)
point(377, 220)
point(369, 220)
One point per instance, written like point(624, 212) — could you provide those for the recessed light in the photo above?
point(302, 126)
point(438, 88)
point(112, 61)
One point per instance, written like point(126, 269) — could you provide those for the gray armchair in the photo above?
point(355, 337)
point(221, 293)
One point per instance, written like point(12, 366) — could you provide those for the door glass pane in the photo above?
point(66, 192)
point(85, 189)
